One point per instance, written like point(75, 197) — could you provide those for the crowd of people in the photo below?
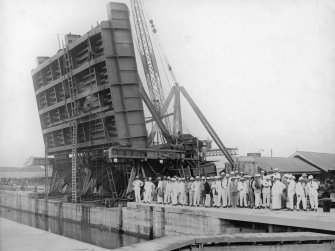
point(235, 189)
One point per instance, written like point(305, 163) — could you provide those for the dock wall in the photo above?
point(142, 219)
point(95, 216)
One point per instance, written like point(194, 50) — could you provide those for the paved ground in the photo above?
point(18, 237)
point(311, 220)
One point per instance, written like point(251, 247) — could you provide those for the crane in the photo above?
point(149, 62)
point(154, 83)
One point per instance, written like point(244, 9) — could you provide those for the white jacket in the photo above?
point(312, 188)
point(181, 187)
point(137, 185)
point(225, 183)
point(195, 186)
point(291, 187)
point(175, 187)
point(216, 185)
point(299, 189)
point(168, 189)
point(277, 188)
point(240, 186)
point(245, 188)
point(266, 186)
point(160, 185)
point(148, 186)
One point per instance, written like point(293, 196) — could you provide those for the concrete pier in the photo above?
point(18, 237)
point(174, 220)
point(155, 220)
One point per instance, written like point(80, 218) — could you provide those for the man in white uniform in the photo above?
point(225, 190)
point(164, 181)
point(167, 191)
point(266, 190)
point(243, 187)
point(196, 191)
point(182, 195)
point(256, 185)
point(175, 191)
point(148, 187)
point(290, 193)
point(301, 196)
point(312, 191)
point(277, 191)
point(137, 188)
point(190, 192)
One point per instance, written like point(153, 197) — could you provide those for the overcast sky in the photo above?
point(262, 71)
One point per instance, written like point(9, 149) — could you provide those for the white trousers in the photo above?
point(290, 204)
point(215, 200)
point(304, 201)
point(243, 199)
point(175, 198)
point(266, 199)
point(167, 197)
point(313, 199)
point(196, 199)
point(190, 202)
point(258, 201)
point(147, 196)
point(137, 195)
point(229, 197)
point(159, 199)
point(276, 201)
point(181, 198)
point(222, 194)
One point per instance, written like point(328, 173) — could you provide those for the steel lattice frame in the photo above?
point(148, 58)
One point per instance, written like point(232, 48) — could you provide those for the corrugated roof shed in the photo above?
point(246, 159)
point(323, 161)
point(285, 165)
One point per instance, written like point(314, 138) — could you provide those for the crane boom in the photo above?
point(148, 58)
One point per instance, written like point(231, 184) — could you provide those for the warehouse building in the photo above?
point(321, 165)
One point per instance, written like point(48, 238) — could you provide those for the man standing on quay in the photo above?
point(312, 191)
point(196, 191)
point(301, 196)
point(257, 186)
point(266, 190)
point(137, 188)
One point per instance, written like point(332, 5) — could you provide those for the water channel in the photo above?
point(95, 236)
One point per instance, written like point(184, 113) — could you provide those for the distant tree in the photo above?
point(28, 162)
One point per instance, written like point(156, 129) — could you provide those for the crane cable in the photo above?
point(161, 52)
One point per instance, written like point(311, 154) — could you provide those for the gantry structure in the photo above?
point(91, 100)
